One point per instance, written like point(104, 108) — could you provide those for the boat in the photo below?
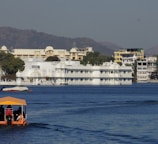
point(13, 111)
point(15, 89)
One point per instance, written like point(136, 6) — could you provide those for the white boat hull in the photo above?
point(16, 88)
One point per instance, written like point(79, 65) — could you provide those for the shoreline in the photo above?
point(14, 83)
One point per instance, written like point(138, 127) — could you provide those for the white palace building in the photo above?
point(73, 73)
point(68, 71)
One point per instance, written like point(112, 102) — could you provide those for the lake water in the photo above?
point(86, 115)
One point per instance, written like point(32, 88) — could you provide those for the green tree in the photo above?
point(95, 59)
point(9, 64)
point(52, 58)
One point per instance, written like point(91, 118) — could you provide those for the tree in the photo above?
point(134, 74)
point(95, 59)
point(52, 58)
point(9, 64)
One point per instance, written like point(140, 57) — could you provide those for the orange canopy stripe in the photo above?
point(8, 100)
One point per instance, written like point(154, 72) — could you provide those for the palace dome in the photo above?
point(49, 48)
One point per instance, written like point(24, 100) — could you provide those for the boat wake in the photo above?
point(113, 107)
point(101, 136)
point(38, 125)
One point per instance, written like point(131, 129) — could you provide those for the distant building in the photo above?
point(42, 54)
point(146, 69)
point(128, 59)
point(79, 53)
point(119, 55)
point(151, 65)
point(4, 49)
point(142, 71)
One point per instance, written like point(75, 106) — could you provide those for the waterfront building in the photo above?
point(138, 52)
point(142, 72)
point(73, 73)
point(145, 68)
point(152, 66)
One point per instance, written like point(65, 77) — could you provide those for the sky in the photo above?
point(127, 23)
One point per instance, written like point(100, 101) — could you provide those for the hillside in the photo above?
point(152, 51)
point(16, 38)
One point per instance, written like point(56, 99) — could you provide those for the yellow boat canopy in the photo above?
point(8, 100)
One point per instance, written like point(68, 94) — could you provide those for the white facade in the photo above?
point(130, 60)
point(142, 72)
point(145, 68)
point(151, 64)
point(73, 73)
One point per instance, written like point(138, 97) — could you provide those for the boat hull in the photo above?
point(13, 123)
point(15, 89)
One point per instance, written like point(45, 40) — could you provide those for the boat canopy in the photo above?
point(8, 100)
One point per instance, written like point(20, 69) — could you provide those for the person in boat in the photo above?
point(17, 113)
point(9, 114)
point(20, 111)
point(21, 118)
point(1, 113)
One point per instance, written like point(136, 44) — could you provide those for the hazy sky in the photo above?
point(128, 23)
